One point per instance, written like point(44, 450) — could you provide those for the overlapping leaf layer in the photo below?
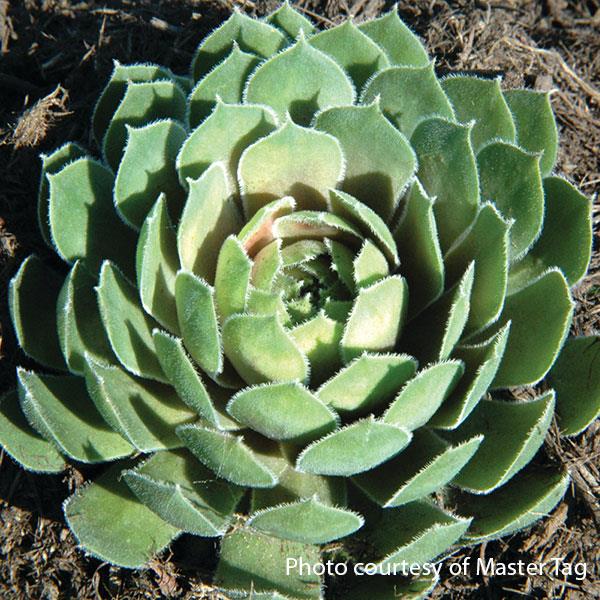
point(295, 278)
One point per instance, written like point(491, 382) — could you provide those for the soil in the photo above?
point(56, 56)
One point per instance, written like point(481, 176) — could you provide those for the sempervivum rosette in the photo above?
point(295, 278)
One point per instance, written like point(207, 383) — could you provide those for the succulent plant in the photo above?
point(300, 282)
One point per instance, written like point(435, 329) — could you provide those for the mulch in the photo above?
point(55, 56)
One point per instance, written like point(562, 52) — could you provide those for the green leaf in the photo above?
point(23, 443)
point(420, 398)
point(510, 178)
point(370, 265)
point(251, 35)
point(354, 51)
point(82, 212)
point(535, 336)
point(145, 413)
point(232, 278)
point(262, 351)
point(313, 224)
point(32, 296)
point(290, 21)
point(266, 266)
point(416, 533)
point(307, 521)
point(115, 90)
point(448, 172)
point(52, 164)
point(576, 378)
point(78, 323)
point(386, 587)
point(353, 449)
point(183, 376)
point(319, 339)
point(228, 456)
point(417, 241)
point(292, 161)
point(157, 264)
point(568, 248)
point(342, 262)
point(198, 321)
point(481, 100)
point(400, 44)
point(486, 242)
point(252, 560)
point(294, 486)
point(299, 82)
point(222, 138)
point(513, 432)
point(60, 409)
point(379, 165)
point(368, 382)
point(527, 498)
point(436, 331)
point(283, 411)
point(142, 103)
point(423, 468)
point(369, 223)
point(110, 523)
point(147, 169)
point(258, 231)
point(376, 319)
point(209, 216)
point(175, 486)
point(481, 365)
point(225, 82)
point(536, 128)
point(128, 328)
point(395, 87)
